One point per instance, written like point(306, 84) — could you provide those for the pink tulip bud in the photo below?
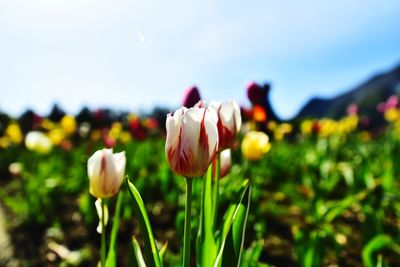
point(229, 122)
point(106, 172)
point(192, 140)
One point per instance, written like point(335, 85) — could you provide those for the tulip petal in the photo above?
point(94, 172)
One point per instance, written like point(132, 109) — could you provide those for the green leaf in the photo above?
point(163, 250)
point(150, 248)
point(136, 257)
point(375, 244)
point(336, 208)
point(112, 251)
point(206, 248)
point(251, 256)
point(233, 232)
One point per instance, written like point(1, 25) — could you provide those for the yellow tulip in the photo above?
point(13, 132)
point(306, 127)
point(68, 124)
point(255, 144)
point(56, 136)
point(392, 114)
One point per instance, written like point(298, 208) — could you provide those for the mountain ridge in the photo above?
point(366, 96)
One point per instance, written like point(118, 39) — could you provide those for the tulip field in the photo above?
point(208, 185)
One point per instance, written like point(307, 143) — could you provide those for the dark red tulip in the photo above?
point(191, 97)
point(256, 93)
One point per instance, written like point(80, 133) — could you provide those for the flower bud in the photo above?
point(192, 140)
point(255, 145)
point(225, 164)
point(229, 122)
point(106, 172)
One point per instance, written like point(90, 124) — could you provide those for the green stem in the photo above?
point(188, 208)
point(111, 255)
point(103, 235)
point(216, 190)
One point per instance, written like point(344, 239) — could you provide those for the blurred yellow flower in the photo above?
point(13, 132)
point(281, 130)
point(56, 136)
point(68, 124)
point(286, 127)
point(115, 130)
point(327, 127)
point(255, 144)
point(392, 114)
point(48, 124)
point(347, 124)
point(4, 142)
point(271, 125)
point(125, 137)
point(306, 127)
point(95, 135)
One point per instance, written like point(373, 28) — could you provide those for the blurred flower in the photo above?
point(327, 127)
point(106, 171)
point(84, 129)
point(151, 123)
point(56, 136)
point(66, 144)
point(392, 102)
point(229, 122)
point(115, 130)
point(271, 125)
point(225, 165)
point(125, 137)
point(306, 127)
point(48, 124)
point(15, 169)
point(255, 144)
point(13, 132)
point(137, 129)
point(192, 140)
point(348, 124)
point(259, 113)
point(38, 141)
point(95, 135)
point(352, 109)
point(109, 142)
point(281, 130)
point(4, 142)
point(392, 114)
point(191, 97)
point(68, 124)
point(256, 93)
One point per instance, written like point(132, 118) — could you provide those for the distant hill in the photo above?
point(366, 96)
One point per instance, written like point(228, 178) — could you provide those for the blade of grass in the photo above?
point(233, 232)
point(150, 248)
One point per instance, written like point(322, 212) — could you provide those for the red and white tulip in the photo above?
point(229, 122)
point(192, 140)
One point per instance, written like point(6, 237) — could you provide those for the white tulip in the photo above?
point(106, 172)
point(38, 141)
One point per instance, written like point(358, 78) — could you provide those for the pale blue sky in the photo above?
point(136, 54)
